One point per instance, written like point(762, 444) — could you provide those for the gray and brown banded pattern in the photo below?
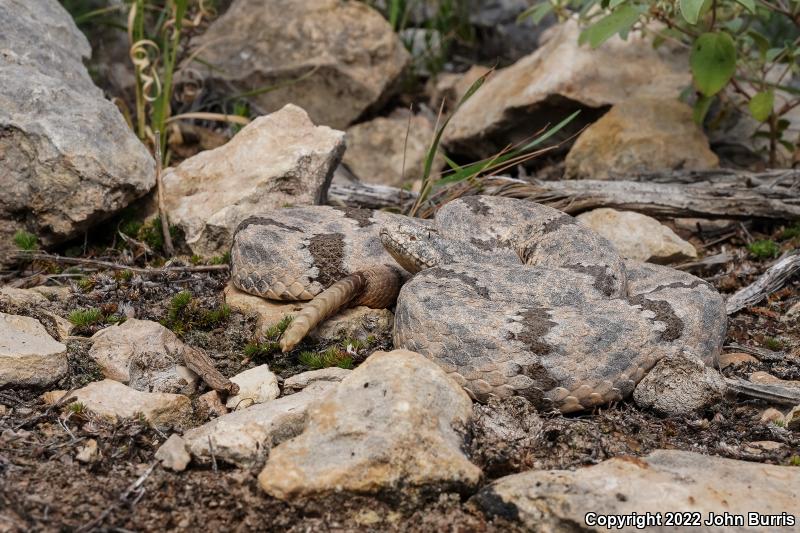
point(508, 296)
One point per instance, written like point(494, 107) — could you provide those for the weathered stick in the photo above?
point(724, 194)
point(115, 266)
point(769, 282)
point(201, 364)
point(367, 195)
point(707, 194)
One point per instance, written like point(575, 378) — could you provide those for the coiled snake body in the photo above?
point(508, 296)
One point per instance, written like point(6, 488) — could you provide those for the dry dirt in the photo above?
point(44, 488)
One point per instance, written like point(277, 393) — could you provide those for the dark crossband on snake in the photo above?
point(508, 296)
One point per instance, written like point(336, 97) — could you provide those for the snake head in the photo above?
point(415, 247)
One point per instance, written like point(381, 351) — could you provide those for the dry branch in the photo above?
point(114, 266)
point(703, 194)
point(769, 282)
point(201, 364)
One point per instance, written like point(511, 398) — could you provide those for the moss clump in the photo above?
point(773, 344)
point(82, 318)
point(26, 241)
point(269, 345)
point(333, 356)
point(184, 312)
point(764, 249)
point(794, 460)
point(792, 232)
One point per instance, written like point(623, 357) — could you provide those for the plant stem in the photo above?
point(169, 250)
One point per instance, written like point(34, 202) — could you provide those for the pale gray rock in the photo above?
point(304, 379)
point(144, 355)
point(69, 158)
point(88, 452)
point(173, 454)
point(665, 480)
point(256, 385)
point(393, 422)
point(35, 302)
point(113, 401)
point(640, 135)
point(29, 356)
point(390, 150)
point(277, 160)
point(244, 437)
point(258, 44)
point(680, 384)
point(543, 87)
point(637, 236)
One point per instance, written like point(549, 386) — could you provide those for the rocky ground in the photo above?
point(139, 390)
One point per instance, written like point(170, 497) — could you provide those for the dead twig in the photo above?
point(169, 249)
point(769, 282)
point(201, 364)
point(117, 266)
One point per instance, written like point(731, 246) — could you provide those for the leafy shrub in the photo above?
point(748, 46)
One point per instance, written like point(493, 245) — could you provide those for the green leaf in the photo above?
point(772, 53)
point(701, 109)
point(602, 30)
point(750, 5)
point(713, 62)
point(761, 105)
point(615, 3)
point(760, 40)
point(690, 9)
point(536, 13)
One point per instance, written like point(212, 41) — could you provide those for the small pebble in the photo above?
point(772, 415)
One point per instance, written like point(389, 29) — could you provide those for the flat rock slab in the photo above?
point(144, 355)
point(339, 58)
point(304, 379)
point(664, 481)
point(640, 135)
point(114, 401)
point(277, 160)
point(394, 421)
point(637, 236)
point(29, 356)
point(69, 159)
point(244, 437)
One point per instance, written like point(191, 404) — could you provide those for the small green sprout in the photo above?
point(763, 249)
point(26, 241)
point(773, 344)
point(791, 232)
point(86, 317)
point(794, 460)
point(331, 357)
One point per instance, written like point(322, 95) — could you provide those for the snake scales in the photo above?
point(508, 296)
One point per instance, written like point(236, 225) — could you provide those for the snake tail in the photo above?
point(375, 287)
point(325, 304)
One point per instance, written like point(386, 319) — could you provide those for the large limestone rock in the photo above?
point(113, 401)
point(394, 421)
point(244, 437)
point(67, 157)
point(277, 160)
point(640, 135)
point(390, 150)
point(144, 355)
point(334, 58)
point(561, 76)
point(665, 480)
point(29, 356)
point(637, 236)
